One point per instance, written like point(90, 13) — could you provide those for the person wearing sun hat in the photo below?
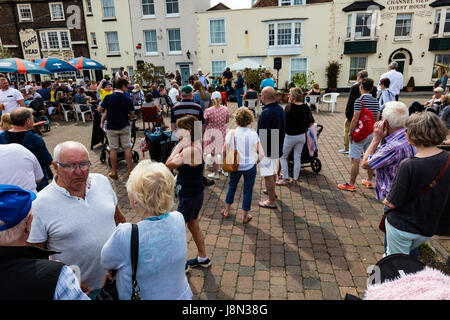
point(25, 271)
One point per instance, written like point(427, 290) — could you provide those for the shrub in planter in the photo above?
point(411, 84)
point(332, 72)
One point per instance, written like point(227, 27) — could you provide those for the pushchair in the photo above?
point(307, 160)
point(158, 143)
point(39, 118)
point(120, 151)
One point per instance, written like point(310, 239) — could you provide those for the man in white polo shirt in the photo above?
point(10, 98)
point(395, 77)
point(76, 214)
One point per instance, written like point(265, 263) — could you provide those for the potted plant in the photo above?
point(332, 72)
point(410, 85)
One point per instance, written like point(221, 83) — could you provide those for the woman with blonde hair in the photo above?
point(200, 96)
point(216, 118)
point(5, 122)
point(298, 119)
point(246, 142)
point(162, 239)
point(442, 77)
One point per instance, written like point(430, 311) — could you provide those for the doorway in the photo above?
point(185, 71)
point(403, 59)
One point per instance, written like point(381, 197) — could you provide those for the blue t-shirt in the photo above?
point(45, 93)
point(272, 121)
point(267, 83)
point(119, 106)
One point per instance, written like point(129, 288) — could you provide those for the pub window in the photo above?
point(403, 25)
point(356, 65)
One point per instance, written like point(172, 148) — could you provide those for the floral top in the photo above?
point(216, 121)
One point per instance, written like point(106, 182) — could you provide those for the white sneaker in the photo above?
point(343, 151)
point(213, 176)
point(224, 173)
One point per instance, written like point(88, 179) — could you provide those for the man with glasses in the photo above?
point(76, 214)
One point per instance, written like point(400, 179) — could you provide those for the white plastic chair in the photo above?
point(333, 98)
point(65, 107)
point(314, 100)
point(253, 105)
point(77, 108)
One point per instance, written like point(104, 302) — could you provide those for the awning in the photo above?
point(362, 6)
point(440, 3)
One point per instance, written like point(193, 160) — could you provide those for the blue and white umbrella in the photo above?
point(86, 64)
point(16, 65)
point(55, 65)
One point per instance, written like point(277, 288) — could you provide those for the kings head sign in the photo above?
point(30, 44)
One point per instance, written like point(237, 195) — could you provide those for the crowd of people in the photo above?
point(71, 215)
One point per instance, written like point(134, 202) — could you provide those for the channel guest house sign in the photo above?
point(30, 44)
point(407, 5)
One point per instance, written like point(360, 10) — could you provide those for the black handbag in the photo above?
point(109, 290)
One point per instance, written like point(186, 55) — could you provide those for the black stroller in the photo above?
point(307, 160)
point(38, 113)
point(120, 152)
point(159, 144)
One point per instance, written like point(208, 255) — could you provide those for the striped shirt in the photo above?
point(184, 108)
point(387, 159)
point(369, 102)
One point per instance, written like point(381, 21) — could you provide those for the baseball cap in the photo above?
point(15, 205)
point(106, 83)
point(215, 95)
point(186, 89)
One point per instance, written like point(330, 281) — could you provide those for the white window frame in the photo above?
point(46, 44)
point(443, 12)
point(51, 11)
point(107, 43)
point(224, 31)
point(103, 9)
point(89, 7)
point(150, 53)
point(172, 14)
point(24, 5)
point(411, 27)
point(219, 75)
point(372, 26)
point(350, 67)
point(94, 40)
point(146, 16)
point(291, 3)
point(168, 43)
point(276, 23)
point(290, 66)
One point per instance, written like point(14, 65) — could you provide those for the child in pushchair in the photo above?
point(120, 151)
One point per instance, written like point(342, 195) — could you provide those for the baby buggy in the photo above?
point(120, 152)
point(39, 118)
point(158, 143)
point(307, 160)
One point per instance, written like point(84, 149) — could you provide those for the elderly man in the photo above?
point(395, 77)
point(202, 78)
point(76, 214)
point(271, 125)
point(10, 98)
point(432, 105)
point(116, 109)
point(239, 88)
point(22, 121)
point(25, 271)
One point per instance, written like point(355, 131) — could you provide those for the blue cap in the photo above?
point(15, 205)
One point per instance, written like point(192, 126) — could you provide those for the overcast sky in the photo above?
point(233, 4)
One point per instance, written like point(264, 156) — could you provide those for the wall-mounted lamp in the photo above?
point(385, 37)
point(316, 46)
point(380, 55)
point(342, 56)
point(188, 53)
point(430, 22)
point(423, 54)
point(420, 36)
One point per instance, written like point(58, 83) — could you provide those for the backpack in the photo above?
point(365, 124)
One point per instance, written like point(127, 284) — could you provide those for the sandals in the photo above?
point(223, 214)
point(282, 182)
point(249, 218)
point(265, 205)
point(113, 176)
point(265, 192)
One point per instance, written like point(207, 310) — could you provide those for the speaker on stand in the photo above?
point(277, 66)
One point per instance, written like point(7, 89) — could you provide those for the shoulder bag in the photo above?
point(109, 290)
point(365, 124)
point(382, 225)
point(231, 157)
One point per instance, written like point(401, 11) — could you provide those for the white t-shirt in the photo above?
point(19, 167)
point(9, 99)
point(173, 93)
point(246, 142)
point(76, 227)
point(161, 258)
point(396, 79)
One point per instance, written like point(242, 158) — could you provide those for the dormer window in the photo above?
point(441, 25)
point(361, 25)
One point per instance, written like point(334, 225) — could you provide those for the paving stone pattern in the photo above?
point(316, 245)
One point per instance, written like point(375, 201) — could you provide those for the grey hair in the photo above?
point(13, 234)
point(59, 146)
point(393, 65)
point(396, 113)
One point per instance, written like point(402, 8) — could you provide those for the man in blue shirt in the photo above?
point(202, 78)
point(268, 81)
point(45, 91)
point(116, 108)
point(239, 88)
point(271, 124)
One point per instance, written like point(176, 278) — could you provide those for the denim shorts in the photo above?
point(357, 148)
point(190, 207)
